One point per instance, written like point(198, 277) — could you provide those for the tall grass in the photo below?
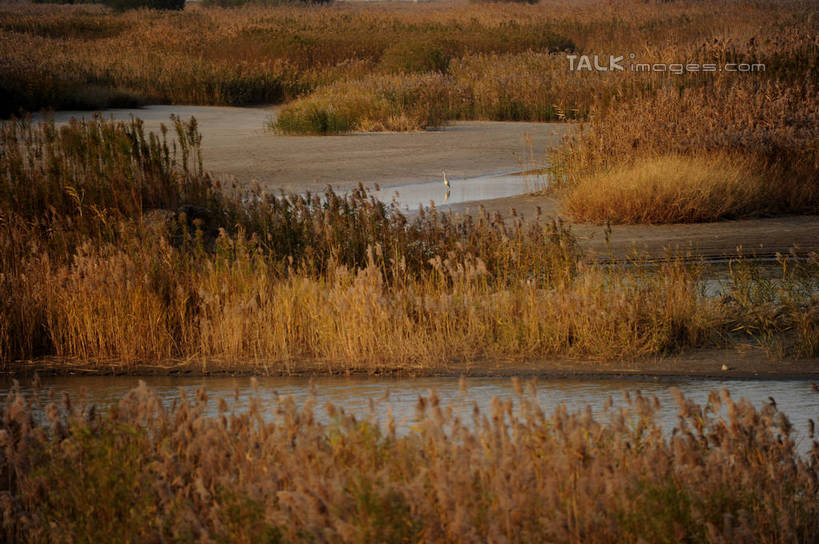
point(144, 471)
point(765, 132)
point(377, 103)
point(675, 189)
point(349, 68)
point(118, 248)
point(507, 60)
point(64, 57)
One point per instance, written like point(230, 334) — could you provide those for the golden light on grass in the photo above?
point(672, 189)
point(729, 150)
point(119, 251)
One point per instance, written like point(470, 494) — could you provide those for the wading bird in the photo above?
point(446, 181)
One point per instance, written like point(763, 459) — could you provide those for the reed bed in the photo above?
point(64, 57)
point(508, 60)
point(120, 249)
point(537, 85)
point(737, 150)
point(673, 189)
point(143, 471)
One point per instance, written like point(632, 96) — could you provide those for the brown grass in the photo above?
point(146, 472)
point(764, 136)
point(397, 67)
point(119, 248)
point(672, 189)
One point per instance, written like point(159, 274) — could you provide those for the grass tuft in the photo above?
point(673, 189)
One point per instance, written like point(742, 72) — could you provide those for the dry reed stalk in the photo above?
point(143, 471)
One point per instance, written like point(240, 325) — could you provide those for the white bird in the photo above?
point(446, 181)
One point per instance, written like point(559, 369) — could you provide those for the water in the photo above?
point(375, 397)
point(411, 196)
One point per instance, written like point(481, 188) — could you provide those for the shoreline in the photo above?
point(744, 363)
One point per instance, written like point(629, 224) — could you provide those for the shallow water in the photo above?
point(411, 196)
point(376, 397)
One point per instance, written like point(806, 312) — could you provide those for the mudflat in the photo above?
point(759, 237)
point(742, 362)
point(236, 143)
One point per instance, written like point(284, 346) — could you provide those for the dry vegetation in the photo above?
point(83, 56)
point(145, 472)
point(405, 67)
point(117, 247)
point(673, 188)
point(738, 151)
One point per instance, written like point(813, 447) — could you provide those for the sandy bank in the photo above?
point(763, 237)
point(742, 362)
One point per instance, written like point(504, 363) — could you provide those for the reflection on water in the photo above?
point(411, 196)
point(374, 397)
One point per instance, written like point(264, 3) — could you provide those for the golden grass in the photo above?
point(87, 57)
point(507, 60)
point(147, 472)
point(105, 308)
point(395, 67)
point(118, 247)
point(373, 104)
point(758, 140)
point(672, 189)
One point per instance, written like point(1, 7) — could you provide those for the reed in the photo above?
point(673, 189)
point(345, 68)
point(63, 57)
point(141, 470)
point(762, 134)
point(118, 248)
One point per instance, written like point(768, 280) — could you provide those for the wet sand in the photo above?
point(744, 362)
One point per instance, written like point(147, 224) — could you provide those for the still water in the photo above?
point(411, 196)
point(376, 397)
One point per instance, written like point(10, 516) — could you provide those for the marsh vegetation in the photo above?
point(399, 67)
point(144, 471)
point(120, 248)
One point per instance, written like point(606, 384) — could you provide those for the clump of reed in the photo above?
point(727, 471)
point(672, 189)
point(780, 312)
point(736, 150)
point(376, 103)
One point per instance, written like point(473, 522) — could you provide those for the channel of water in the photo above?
point(376, 397)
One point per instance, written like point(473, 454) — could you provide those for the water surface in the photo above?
point(376, 397)
point(411, 196)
